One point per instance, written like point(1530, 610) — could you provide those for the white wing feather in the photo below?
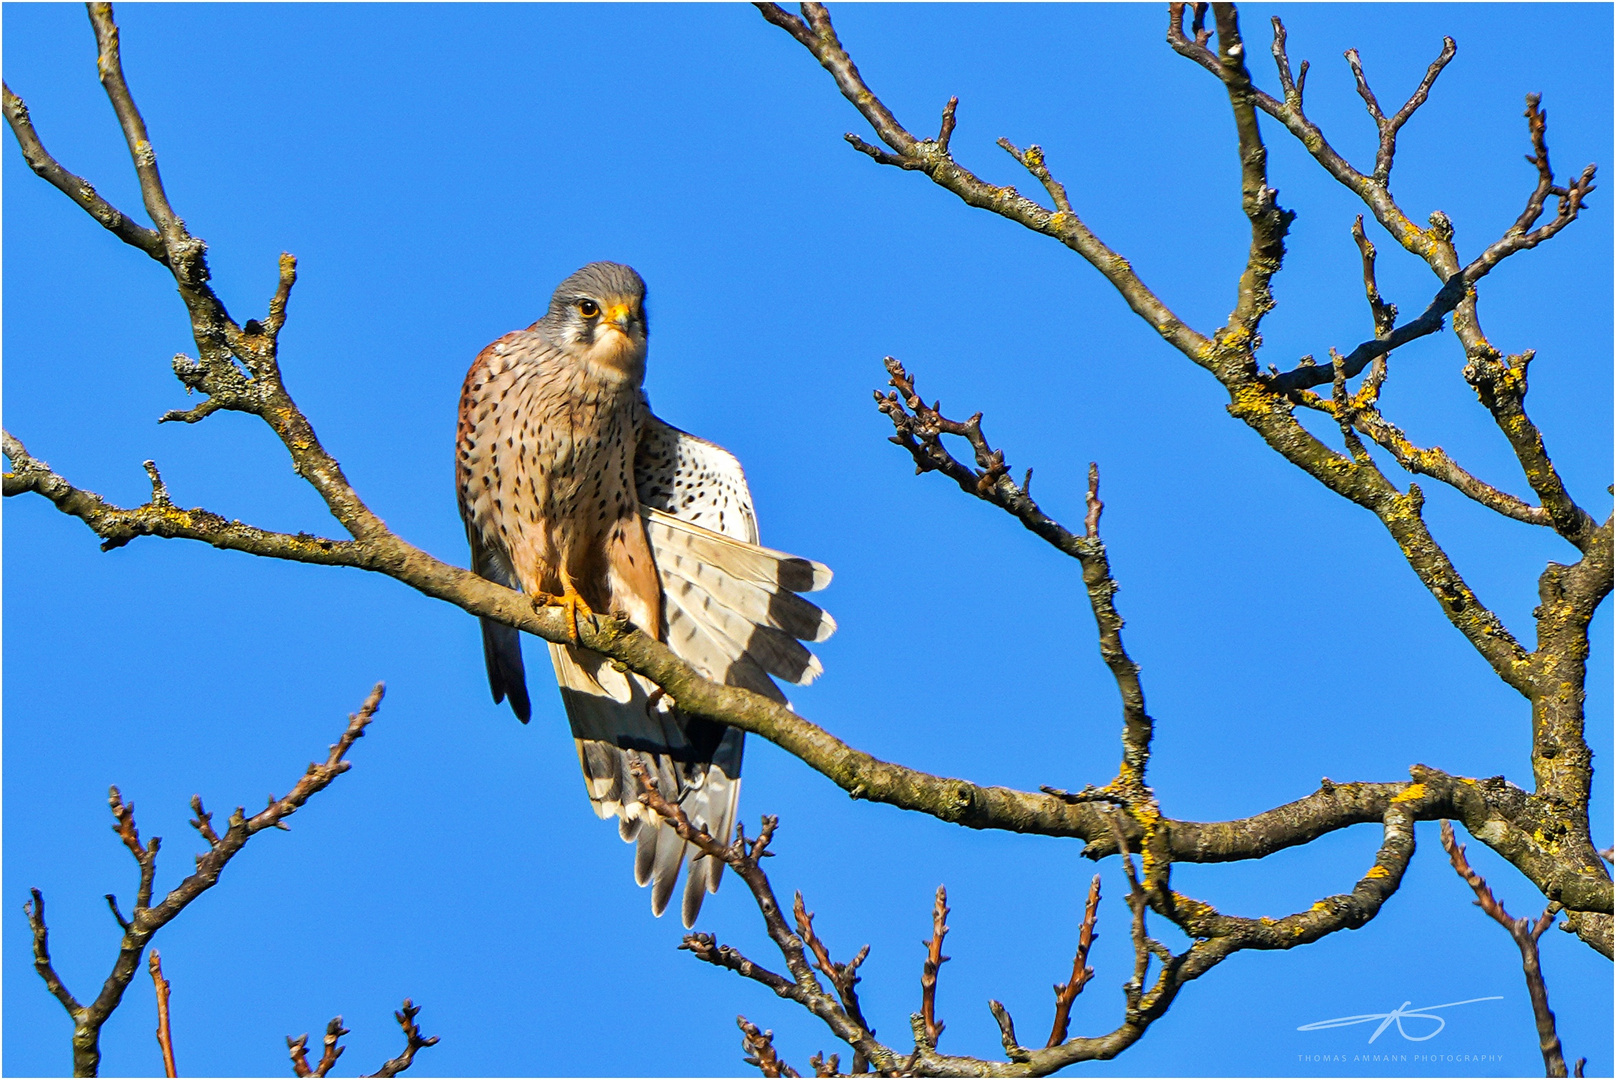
point(732, 613)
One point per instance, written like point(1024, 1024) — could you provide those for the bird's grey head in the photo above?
point(598, 316)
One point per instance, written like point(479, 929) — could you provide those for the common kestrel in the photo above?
point(572, 490)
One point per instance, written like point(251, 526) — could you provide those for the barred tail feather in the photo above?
point(696, 764)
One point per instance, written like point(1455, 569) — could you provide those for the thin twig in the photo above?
point(123, 923)
point(1066, 993)
point(412, 1039)
point(844, 977)
point(334, 1031)
point(919, 430)
point(934, 158)
point(164, 1038)
point(825, 1066)
point(934, 962)
point(332, 1050)
point(759, 1048)
point(745, 858)
point(76, 187)
point(35, 910)
point(1526, 933)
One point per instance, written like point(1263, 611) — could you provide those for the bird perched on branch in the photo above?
point(572, 491)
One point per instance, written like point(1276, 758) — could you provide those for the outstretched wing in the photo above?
point(732, 612)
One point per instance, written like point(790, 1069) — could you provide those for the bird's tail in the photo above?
point(732, 612)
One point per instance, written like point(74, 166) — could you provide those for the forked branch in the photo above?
point(934, 158)
point(919, 430)
point(146, 918)
point(332, 1048)
point(1525, 932)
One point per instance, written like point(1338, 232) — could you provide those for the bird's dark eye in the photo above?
point(588, 308)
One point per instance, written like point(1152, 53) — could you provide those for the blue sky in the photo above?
point(437, 170)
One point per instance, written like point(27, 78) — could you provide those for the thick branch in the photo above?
point(1268, 222)
point(860, 774)
point(1342, 911)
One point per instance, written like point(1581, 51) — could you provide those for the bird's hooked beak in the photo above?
point(620, 339)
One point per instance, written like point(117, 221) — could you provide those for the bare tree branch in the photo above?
point(860, 774)
point(165, 1039)
point(146, 919)
point(413, 1041)
point(934, 963)
point(1525, 932)
point(745, 859)
point(76, 187)
point(759, 1048)
point(237, 369)
point(932, 157)
point(1389, 126)
point(1229, 353)
point(35, 910)
point(334, 1031)
point(920, 429)
point(1067, 993)
point(844, 977)
point(1435, 246)
point(1221, 936)
point(374, 548)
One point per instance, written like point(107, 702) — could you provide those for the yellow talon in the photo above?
point(573, 601)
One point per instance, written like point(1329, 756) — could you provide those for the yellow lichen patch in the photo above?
point(1189, 906)
point(1319, 905)
point(1249, 399)
point(1377, 871)
point(1411, 793)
